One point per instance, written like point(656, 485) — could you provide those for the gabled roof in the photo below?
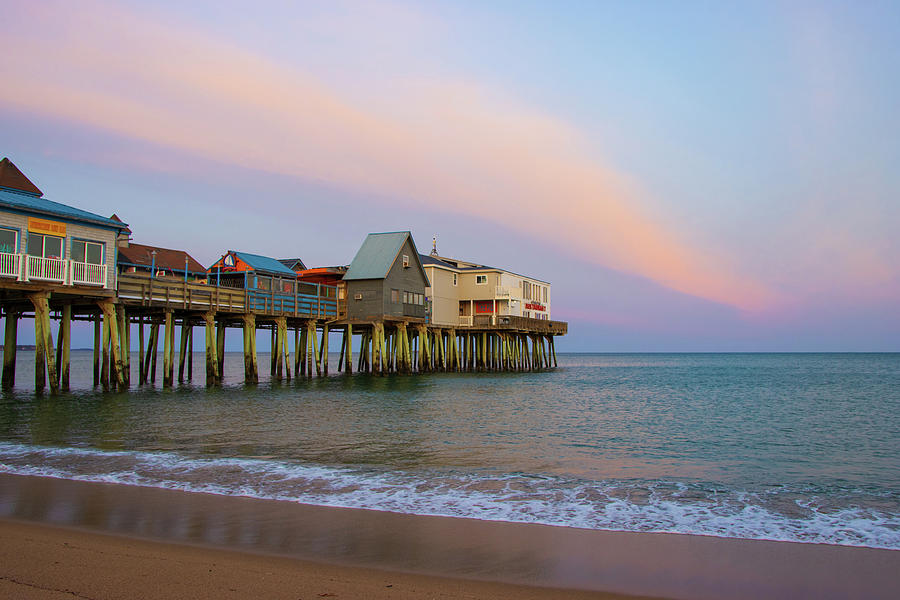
point(376, 256)
point(116, 218)
point(11, 177)
point(166, 259)
point(292, 264)
point(44, 207)
point(263, 263)
point(454, 264)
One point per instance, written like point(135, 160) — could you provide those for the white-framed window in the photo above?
point(454, 279)
point(84, 251)
point(9, 240)
point(480, 279)
point(45, 246)
point(406, 261)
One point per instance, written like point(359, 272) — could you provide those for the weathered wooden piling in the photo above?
point(183, 347)
point(10, 336)
point(212, 363)
point(324, 355)
point(348, 363)
point(64, 345)
point(220, 350)
point(251, 369)
point(169, 350)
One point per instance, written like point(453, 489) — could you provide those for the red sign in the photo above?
point(535, 307)
point(484, 307)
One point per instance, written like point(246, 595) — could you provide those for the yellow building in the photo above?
point(465, 294)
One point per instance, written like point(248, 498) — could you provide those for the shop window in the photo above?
point(46, 246)
point(9, 240)
point(87, 252)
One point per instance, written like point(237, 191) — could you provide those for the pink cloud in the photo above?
point(454, 145)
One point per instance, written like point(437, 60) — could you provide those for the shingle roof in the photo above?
point(42, 206)
point(167, 259)
point(375, 257)
point(263, 263)
point(11, 177)
point(291, 263)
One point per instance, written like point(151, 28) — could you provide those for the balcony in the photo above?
point(87, 274)
point(10, 265)
point(27, 268)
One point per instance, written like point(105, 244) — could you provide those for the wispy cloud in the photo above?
point(455, 146)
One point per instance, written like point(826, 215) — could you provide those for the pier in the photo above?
point(60, 263)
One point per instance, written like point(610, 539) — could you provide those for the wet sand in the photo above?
point(51, 540)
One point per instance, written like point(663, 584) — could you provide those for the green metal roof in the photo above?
point(378, 253)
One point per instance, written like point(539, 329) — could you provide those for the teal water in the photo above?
point(800, 447)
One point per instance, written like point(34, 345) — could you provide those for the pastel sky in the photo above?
point(689, 175)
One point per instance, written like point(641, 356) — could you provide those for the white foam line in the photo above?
point(518, 498)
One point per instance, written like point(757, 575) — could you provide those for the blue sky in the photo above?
point(689, 176)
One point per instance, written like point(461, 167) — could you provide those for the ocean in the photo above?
point(793, 447)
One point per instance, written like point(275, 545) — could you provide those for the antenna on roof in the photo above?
point(434, 246)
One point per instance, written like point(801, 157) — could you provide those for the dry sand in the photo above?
point(44, 562)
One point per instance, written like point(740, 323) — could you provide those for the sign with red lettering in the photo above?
point(534, 306)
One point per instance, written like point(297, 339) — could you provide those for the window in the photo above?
point(454, 279)
point(9, 241)
point(263, 283)
point(545, 295)
point(288, 287)
point(395, 296)
point(480, 279)
point(87, 252)
point(46, 246)
point(405, 297)
point(405, 261)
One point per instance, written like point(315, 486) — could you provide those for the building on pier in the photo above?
point(51, 245)
point(294, 264)
point(161, 262)
point(243, 270)
point(386, 279)
point(464, 293)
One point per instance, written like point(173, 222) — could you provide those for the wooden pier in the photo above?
point(154, 307)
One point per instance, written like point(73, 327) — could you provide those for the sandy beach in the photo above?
point(46, 562)
point(95, 540)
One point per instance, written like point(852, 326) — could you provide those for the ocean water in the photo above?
point(797, 447)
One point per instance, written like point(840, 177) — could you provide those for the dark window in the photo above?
point(9, 239)
point(89, 252)
point(480, 279)
point(395, 296)
point(46, 246)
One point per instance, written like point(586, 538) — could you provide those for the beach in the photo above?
point(114, 541)
point(45, 562)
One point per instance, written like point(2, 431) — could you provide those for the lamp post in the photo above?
point(153, 263)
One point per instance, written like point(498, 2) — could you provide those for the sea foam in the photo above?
point(835, 515)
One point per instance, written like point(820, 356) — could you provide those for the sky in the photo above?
point(689, 176)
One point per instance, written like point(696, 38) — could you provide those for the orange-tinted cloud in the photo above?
point(453, 145)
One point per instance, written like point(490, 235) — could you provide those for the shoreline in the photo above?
point(451, 549)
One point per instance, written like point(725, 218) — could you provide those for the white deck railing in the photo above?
point(45, 269)
point(87, 274)
point(10, 265)
point(25, 267)
point(465, 321)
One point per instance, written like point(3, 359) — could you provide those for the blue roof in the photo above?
point(263, 263)
point(377, 255)
point(42, 206)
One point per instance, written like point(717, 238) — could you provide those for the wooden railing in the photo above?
point(307, 300)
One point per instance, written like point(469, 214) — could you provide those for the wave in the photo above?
point(841, 515)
